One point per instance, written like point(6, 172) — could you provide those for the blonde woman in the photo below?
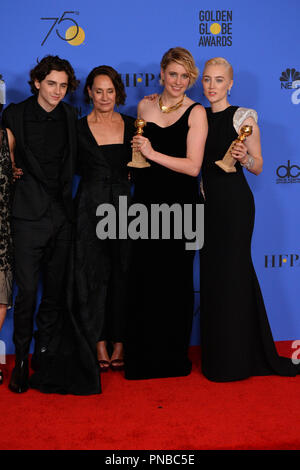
point(161, 310)
point(236, 339)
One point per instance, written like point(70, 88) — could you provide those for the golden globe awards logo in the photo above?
point(215, 28)
point(66, 28)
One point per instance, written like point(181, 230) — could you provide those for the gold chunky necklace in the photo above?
point(168, 109)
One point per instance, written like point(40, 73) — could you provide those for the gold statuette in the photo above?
point(228, 162)
point(138, 161)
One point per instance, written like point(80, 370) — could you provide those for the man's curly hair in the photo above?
point(46, 65)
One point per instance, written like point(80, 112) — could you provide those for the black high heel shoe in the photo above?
point(1, 377)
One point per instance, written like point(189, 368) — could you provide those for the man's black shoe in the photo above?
point(19, 377)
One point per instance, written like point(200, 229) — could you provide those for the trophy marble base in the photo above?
point(138, 161)
point(228, 162)
point(138, 164)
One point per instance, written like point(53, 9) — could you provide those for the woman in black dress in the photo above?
point(161, 309)
point(6, 178)
point(101, 265)
point(97, 281)
point(236, 339)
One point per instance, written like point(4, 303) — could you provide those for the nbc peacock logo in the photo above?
point(288, 79)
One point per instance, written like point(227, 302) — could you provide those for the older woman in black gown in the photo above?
point(101, 265)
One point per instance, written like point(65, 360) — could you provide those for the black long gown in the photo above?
point(161, 310)
point(101, 265)
point(236, 339)
point(97, 276)
point(6, 252)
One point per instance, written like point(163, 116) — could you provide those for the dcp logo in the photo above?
point(288, 173)
point(74, 34)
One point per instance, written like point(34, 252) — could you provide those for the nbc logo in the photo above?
point(290, 80)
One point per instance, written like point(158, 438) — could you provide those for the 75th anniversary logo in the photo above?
point(66, 28)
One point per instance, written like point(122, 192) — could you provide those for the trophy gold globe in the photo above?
point(138, 160)
point(228, 162)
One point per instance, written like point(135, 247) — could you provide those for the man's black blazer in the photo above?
point(30, 199)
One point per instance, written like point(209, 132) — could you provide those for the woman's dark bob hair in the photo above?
point(115, 78)
point(46, 65)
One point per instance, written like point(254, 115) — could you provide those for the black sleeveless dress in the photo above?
point(101, 265)
point(161, 282)
point(96, 287)
point(6, 251)
point(236, 339)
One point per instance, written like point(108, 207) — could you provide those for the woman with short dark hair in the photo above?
point(101, 265)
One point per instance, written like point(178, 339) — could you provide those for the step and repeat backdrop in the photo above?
point(260, 39)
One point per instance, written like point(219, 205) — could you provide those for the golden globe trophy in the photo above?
point(228, 162)
point(138, 161)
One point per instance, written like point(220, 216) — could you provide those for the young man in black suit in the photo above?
point(44, 128)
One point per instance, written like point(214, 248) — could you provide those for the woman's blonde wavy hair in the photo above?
point(183, 57)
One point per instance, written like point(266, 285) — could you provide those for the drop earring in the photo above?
point(228, 92)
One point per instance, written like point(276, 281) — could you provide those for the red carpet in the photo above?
point(177, 413)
